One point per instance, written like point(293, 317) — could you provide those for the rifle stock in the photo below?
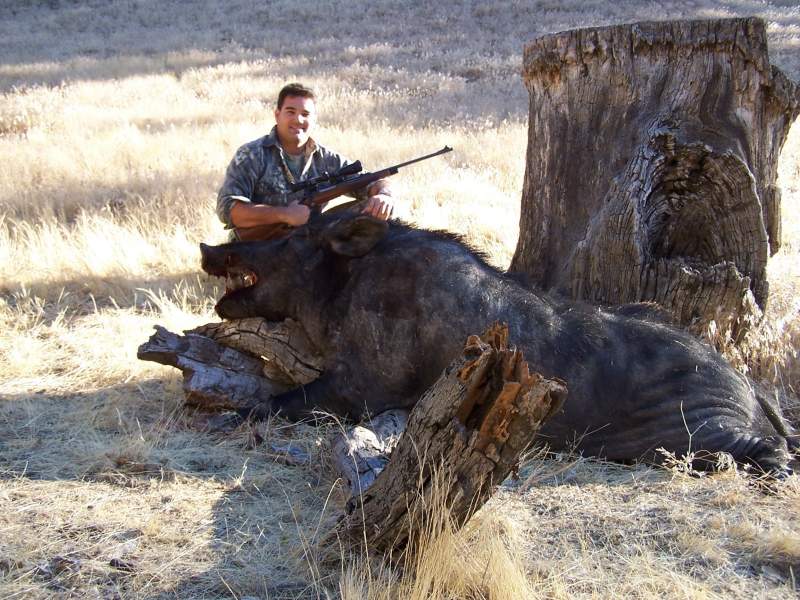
point(320, 194)
point(272, 231)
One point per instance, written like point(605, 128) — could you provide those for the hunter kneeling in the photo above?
point(263, 183)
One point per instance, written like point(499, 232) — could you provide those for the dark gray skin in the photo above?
point(389, 307)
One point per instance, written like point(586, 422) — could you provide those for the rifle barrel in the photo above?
point(444, 150)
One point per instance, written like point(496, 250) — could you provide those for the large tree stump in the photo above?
point(468, 430)
point(651, 166)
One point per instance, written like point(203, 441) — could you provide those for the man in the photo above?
point(259, 177)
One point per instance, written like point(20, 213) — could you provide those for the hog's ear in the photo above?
point(215, 260)
point(355, 236)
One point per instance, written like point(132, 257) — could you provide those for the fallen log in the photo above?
point(214, 377)
point(235, 364)
point(466, 433)
point(288, 355)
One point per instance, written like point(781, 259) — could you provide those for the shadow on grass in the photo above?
point(247, 517)
point(198, 514)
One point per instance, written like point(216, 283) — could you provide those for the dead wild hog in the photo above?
point(388, 306)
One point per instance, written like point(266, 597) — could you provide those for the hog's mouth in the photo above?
point(236, 278)
point(239, 279)
point(220, 262)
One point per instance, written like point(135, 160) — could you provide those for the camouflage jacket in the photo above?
point(259, 173)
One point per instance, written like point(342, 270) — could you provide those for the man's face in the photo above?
point(295, 119)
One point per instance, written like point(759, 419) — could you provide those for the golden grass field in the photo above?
point(117, 121)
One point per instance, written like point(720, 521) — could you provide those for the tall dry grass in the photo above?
point(116, 123)
point(441, 561)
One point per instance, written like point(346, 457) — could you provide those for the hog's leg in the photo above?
point(768, 453)
point(746, 445)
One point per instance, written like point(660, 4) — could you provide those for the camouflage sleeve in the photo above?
point(240, 180)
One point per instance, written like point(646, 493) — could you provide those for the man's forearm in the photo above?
point(244, 214)
point(380, 203)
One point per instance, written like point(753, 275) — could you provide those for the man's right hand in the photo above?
point(296, 214)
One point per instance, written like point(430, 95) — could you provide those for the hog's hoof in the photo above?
point(768, 455)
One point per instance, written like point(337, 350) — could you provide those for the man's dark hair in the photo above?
point(295, 89)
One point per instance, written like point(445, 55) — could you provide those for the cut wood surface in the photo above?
point(651, 166)
point(469, 428)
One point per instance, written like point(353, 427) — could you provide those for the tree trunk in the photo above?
point(463, 438)
point(651, 166)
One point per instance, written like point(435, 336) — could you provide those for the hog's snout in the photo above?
point(212, 260)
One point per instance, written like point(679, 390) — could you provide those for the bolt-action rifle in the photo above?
point(318, 190)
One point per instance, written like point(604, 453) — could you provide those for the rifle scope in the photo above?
point(351, 169)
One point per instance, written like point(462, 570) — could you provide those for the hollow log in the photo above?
point(466, 433)
point(651, 167)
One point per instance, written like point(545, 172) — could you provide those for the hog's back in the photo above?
point(633, 385)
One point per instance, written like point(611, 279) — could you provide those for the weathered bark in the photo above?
point(469, 428)
point(651, 166)
point(362, 452)
point(289, 357)
point(230, 374)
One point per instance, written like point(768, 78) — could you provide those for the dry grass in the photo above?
point(116, 123)
point(441, 561)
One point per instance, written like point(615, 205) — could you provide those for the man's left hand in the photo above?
point(379, 206)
